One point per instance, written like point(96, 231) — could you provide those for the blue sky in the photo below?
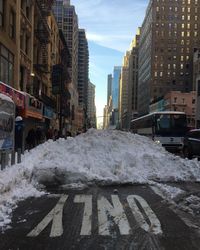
point(110, 26)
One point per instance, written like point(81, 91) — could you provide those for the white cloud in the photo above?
point(111, 23)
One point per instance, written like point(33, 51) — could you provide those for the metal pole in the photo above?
point(61, 92)
point(19, 155)
point(13, 157)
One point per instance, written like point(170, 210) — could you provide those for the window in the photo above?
point(6, 65)
point(1, 12)
point(12, 24)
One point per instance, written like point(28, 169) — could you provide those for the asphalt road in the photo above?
point(112, 217)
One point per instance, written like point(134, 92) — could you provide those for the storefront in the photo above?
point(33, 113)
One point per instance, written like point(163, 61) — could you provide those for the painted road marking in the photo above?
point(105, 209)
point(155, 226)
point(87, 214)
point(54, 215)
point(108, 215)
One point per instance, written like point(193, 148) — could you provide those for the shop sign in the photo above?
point(16, 96)
point(7, 122)
point(34, 108)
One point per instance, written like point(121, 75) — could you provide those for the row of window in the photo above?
point(183, 1)
point(169, 74)
point(6, 65)
point(175, 25)
point(182, 58)
point(12, 19)
point(175, 9)
point(175, 33)
point(176, 17)
point(172, 66)
point(169, 50)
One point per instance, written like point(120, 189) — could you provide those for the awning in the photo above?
point(17, 96)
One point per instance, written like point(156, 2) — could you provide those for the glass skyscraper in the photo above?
point(115, 86)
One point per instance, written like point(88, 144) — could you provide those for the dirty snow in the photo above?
point(104, 157)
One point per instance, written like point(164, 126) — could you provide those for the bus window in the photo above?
point(179, 121)
point(163, 122)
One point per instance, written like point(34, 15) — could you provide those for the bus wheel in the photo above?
point(187, 153)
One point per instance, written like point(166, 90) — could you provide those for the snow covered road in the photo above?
point(107, 217)
point(97, 157)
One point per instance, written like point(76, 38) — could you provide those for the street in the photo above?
point(109, 217)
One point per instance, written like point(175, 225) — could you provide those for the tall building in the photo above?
point(108, 107)
point(115, 86)
point(91, 108)
point(115, 95)
point(169, 34)
point(196, 85)
point(83, 68)
point(133, 80)
point(68, 22)
point(123, 92)
point(109, 87)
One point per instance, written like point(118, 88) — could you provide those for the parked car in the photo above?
point(191, 144)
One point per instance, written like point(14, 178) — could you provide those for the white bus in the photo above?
point(167, 128)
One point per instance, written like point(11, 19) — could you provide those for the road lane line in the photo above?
point(54, 215)
point(155, 226)
point(105, 209)
point(87, 215)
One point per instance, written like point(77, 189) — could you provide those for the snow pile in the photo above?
point(105, 157)
point(108, 156)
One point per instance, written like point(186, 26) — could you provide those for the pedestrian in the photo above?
point(19, 130)
point(30, 139)
point(55, 134)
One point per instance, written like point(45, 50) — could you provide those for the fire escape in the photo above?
point(43, 33)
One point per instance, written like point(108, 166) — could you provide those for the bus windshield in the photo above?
point(170, 124)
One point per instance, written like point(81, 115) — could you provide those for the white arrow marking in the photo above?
point(155, 226)
point(54, 215)
point(105, 209)
point(87, 215)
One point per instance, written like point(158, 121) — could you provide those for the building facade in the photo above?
point(83, 67)
point(68, 22)
point(9, 42)
point(169, 34)
point(91, 108)
point(30, 45)
point(133, 80)
point(196, 84)
point(123, 92)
